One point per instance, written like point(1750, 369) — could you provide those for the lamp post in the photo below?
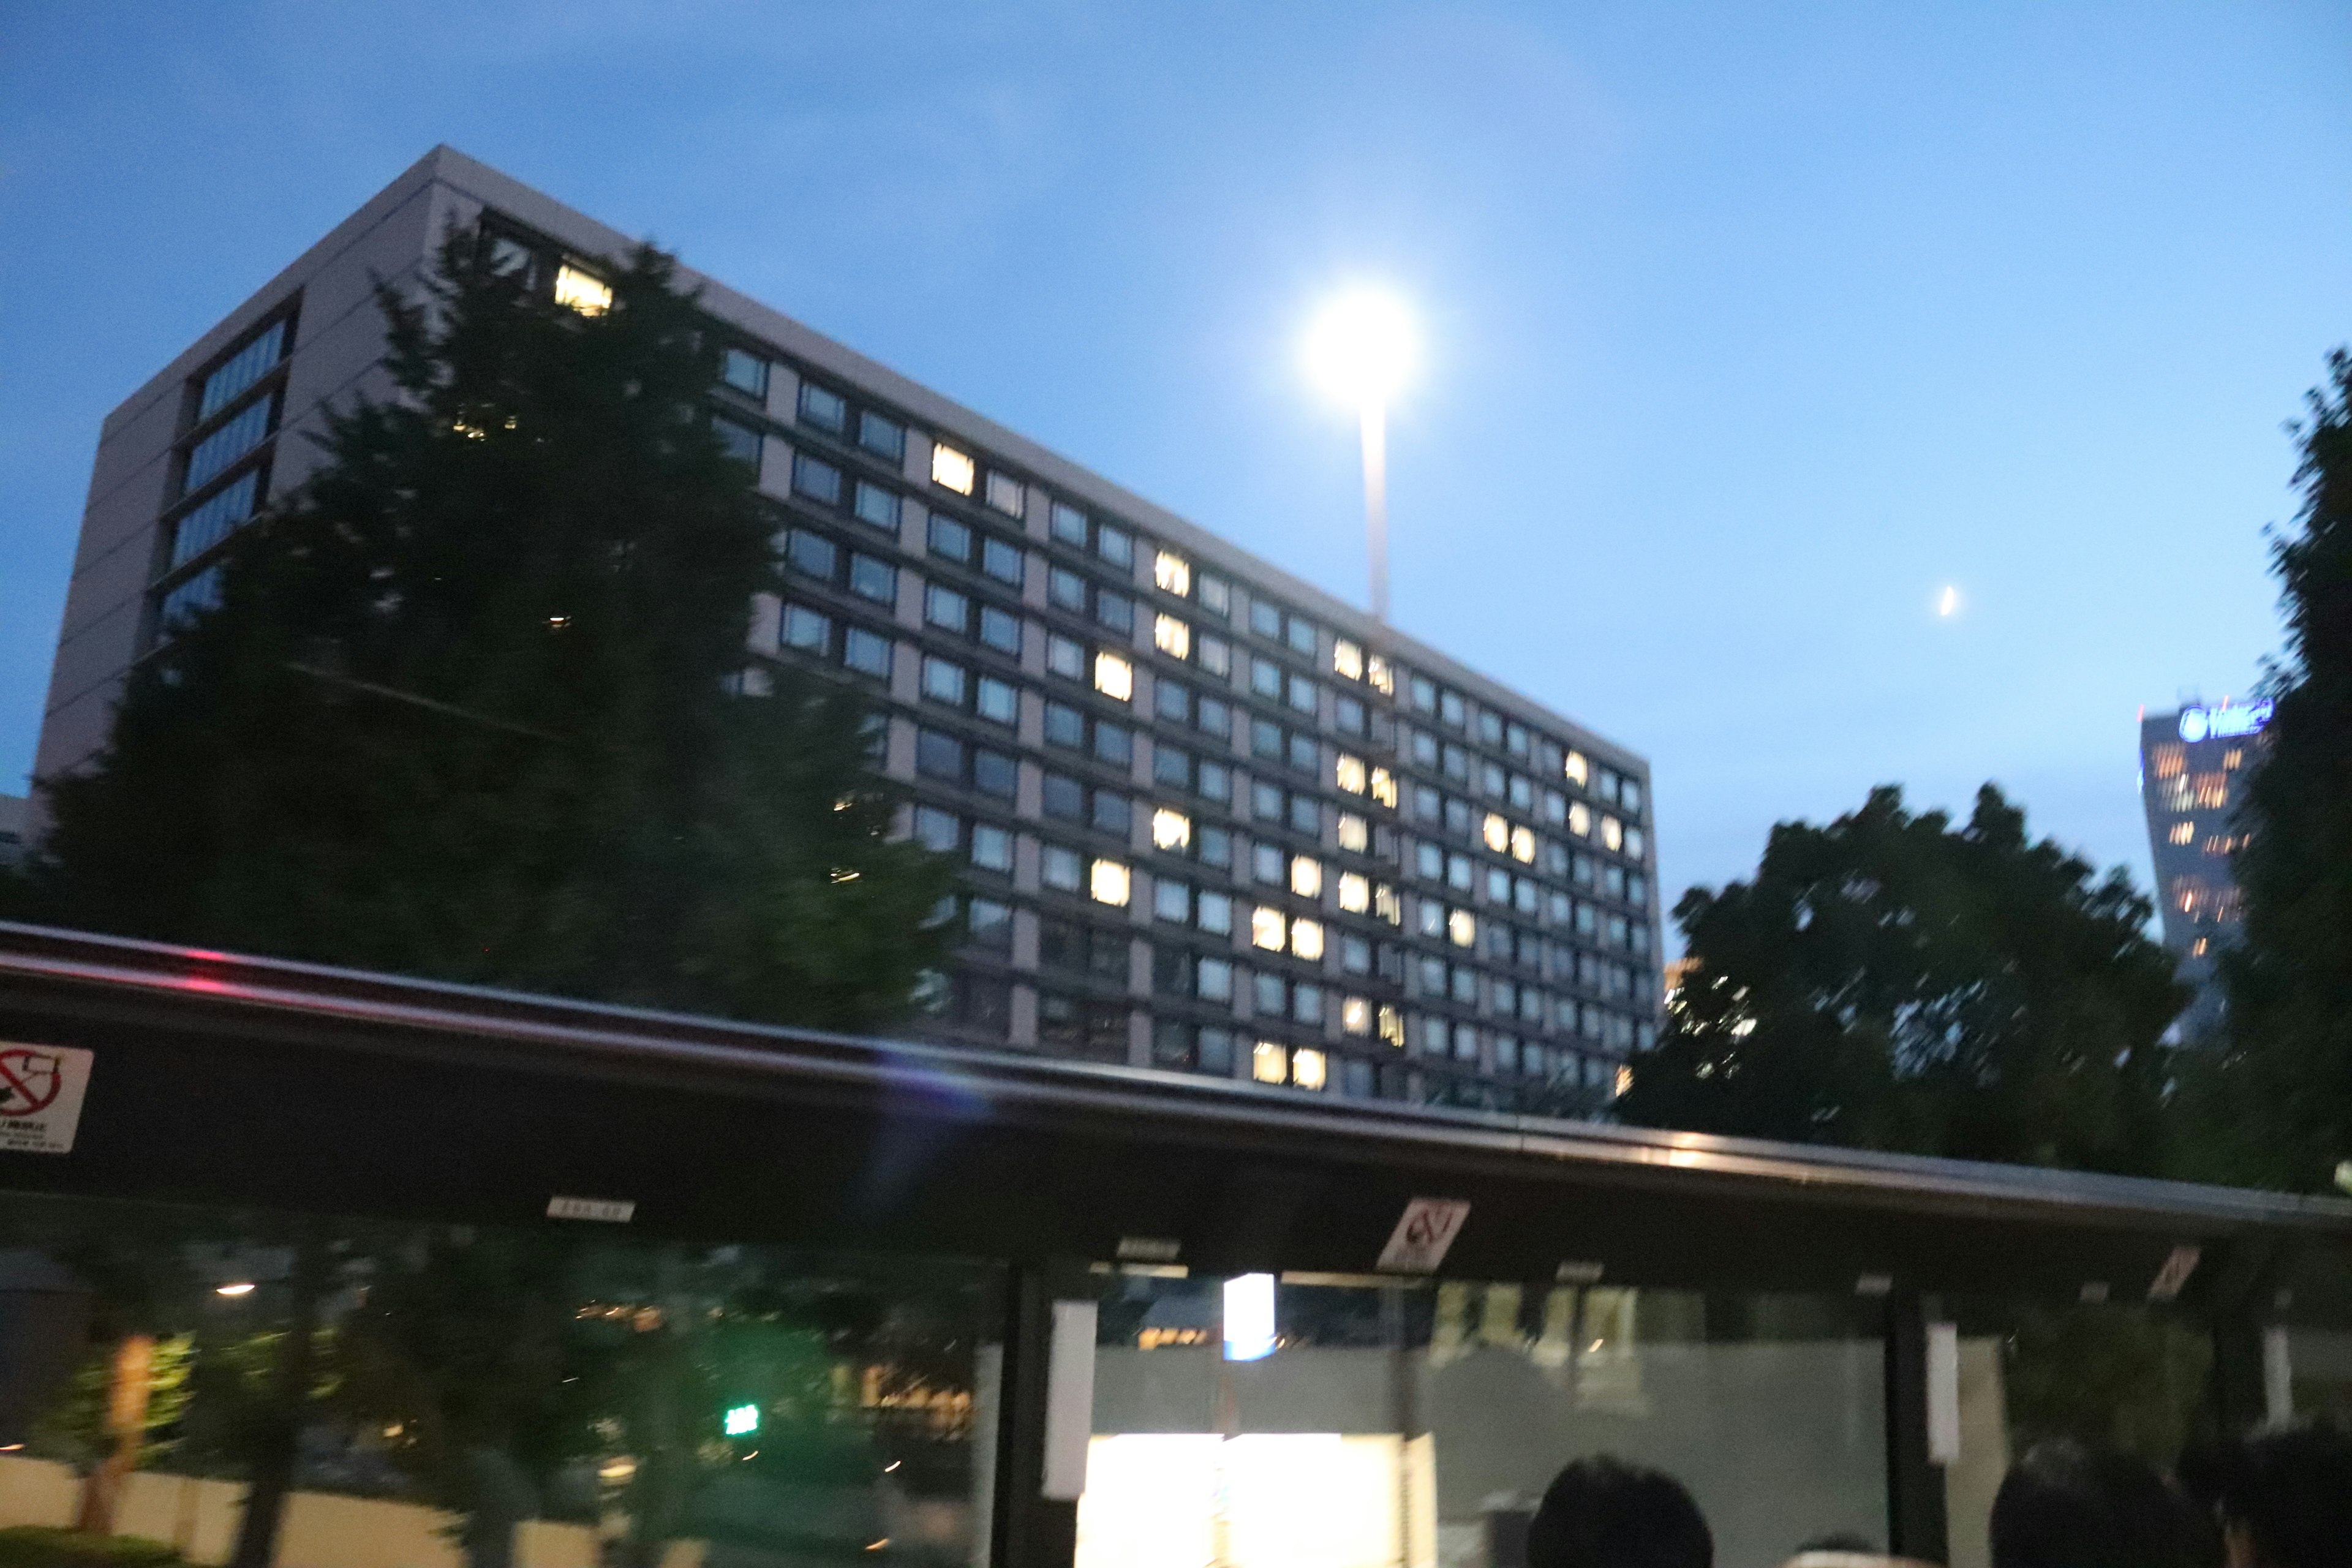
point(1360, 349)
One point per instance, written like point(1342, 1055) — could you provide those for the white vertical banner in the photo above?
point(1069, 1400)
point(2278, 1376)
point(1944, 1393)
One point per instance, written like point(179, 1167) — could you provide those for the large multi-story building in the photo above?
point(2192, 764)
point(1214, 818)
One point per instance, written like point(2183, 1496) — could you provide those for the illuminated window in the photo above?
point(582, 292)
point(1382, 678)
point(1462, 928)
point(1356, 1015)
point(1306, 1068)
point(1114, 676)
point(1306, 876)
point(1579, 820)
point(1612, 833)
point(1266, 928)
point(1392, 1027)
point(1387, 905)
point(1384, 787)
point(1577, 769)
point(2169, 761)
point(1003, 493)
point(952, 469)
point(2183, 832)
point(1172, 574)
point(1108, 883)
point(2233, 759)
point(1355, 892)
point(1269, 1062)
point(1171, 829)
point(1523, 845)
point(1355, 834)
point(1171, 636)
point(1307, 939)
point(1497, 833)
point(1350, 774)
point(2198, 948)
point(1347, 659)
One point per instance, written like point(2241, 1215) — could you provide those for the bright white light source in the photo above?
point(1362, 347)
point(742, 1420)
point(235, 1288)
point(1249, 1317)
point(1948, 602)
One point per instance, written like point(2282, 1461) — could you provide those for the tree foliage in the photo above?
point(2285, 1089)
point(467, 707)
point(1890, 982)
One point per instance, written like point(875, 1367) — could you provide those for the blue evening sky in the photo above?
point(1751, 327)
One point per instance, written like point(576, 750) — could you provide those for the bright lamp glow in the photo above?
point(1249, 1317)
point(1362, 347)
point(742, 1420)
point(234, 1288)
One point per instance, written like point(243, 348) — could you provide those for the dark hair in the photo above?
point(2062, 1506)
point(2291, 1491)
point(1601, 1513)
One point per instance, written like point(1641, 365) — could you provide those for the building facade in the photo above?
point(2192, 765)
point(1214, 818)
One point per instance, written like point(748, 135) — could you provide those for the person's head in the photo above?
point(2062, 1506)
point(2285, 1499)
point(1600, 1513)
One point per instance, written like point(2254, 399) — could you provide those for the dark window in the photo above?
point(814, 553)
point(938, 756)
point(1174, 1045)
point(1303, 753)
point(1000, 629)
point(1114, 743)
point(885, 437)
point(1214, 845)
point(1066, 589)
point(872, 579)
point(1300, 694)
point(1105, 1027)
point(866, 652)
point(817, 480)
point(1300, 634)
point(949, 538)
point(1490, 727)
point(1059, 1024)
point(824, 410)
point(210, 523)
point(1216, 1051)
point(242, 434)
point(1449, 709)
point(1266, 801)
point(1305, 815)
point(1266, 739)
point(1069, 525)
point(1001, 561)
point(1113, 812)
point(1266, 619)
point(1216, 717)
point(990, 922)
point(807, 629)
point(994, 773)
point(244, 367)
point(877, 506)
point(738, 440)
point(1173, 702)
point(1114, 546)
point(1216, 779)
point(1108, 957)
point(1064, 797)
point(744, 372)
point(1348, 714)
point(1065, 726)
point(1172, 766)
point(935, 829)
point(1115, 611)
point(946, 608)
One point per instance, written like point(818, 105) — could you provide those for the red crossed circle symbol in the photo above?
point(29, 1081)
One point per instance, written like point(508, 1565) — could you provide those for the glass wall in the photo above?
point(1419, 1425)
point(426, 1396)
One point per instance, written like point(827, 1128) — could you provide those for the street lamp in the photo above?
point(1360, 349)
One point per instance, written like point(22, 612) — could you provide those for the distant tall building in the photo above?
point(2192, 764)
point(11, 828)
point(1211, 818)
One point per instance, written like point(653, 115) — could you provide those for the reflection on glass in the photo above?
point(433, 1394)
point(1418, 1425)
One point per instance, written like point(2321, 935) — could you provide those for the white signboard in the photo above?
point(1424, 1231)
point(41, 1089)
point(608, 1211)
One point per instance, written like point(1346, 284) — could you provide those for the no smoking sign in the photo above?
point(41, 1089)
